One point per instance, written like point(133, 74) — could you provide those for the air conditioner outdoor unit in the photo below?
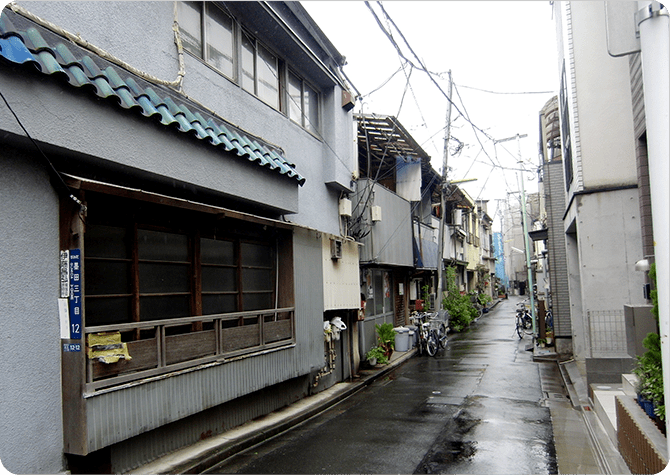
point(336, 249)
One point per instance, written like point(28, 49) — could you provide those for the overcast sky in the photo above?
point(494, 46)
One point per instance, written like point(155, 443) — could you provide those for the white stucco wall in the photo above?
point(602, 212)
point(603, 101)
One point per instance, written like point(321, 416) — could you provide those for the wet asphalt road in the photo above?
point(477, 407)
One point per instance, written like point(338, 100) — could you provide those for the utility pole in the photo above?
point(524, 217)
point(443, 191)
point(526, 239)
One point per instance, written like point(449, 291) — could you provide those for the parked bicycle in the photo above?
point(432, 332)
point(524, 319)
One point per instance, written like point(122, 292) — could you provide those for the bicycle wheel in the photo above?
point(442, 336)
point(519, 330)
point(527, 324)
point(431, 344)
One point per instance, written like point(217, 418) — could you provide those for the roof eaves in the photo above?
point(30, 47)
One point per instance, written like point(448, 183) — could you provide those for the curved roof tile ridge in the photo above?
point(31, 47)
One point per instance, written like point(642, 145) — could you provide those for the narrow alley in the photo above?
point(477, 407)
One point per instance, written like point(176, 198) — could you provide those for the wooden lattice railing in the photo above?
point(163, 346)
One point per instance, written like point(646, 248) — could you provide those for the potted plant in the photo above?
point(650, 374)
point(550, 337)
point(376, 355)
point(461, 310)
point(386, 338)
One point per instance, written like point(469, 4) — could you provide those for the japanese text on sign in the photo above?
point(75, 294)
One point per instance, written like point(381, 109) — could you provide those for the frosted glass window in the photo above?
point(190, 26)
point(295, 98)
point(256, 254)
point(248, 82)
point(268, 77)
point(311, 101)
point(154, 245)
point(220, 40)
point(213, 251)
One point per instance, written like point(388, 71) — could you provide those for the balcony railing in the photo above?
point(160, 346)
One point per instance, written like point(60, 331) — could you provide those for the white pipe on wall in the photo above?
point(654, 26)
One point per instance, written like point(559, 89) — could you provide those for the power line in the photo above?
point(506, 93)
point(52, 170)
point(422, 66)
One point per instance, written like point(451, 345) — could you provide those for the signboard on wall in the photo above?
point(69, 303)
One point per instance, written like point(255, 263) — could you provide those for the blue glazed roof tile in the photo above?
point(221, 135)
point(65, 56)
point(48, 64)
point(13, 49)
point(54, 57)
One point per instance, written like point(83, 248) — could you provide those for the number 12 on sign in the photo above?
point(75, 294)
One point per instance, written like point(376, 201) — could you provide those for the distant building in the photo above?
point(500, 259)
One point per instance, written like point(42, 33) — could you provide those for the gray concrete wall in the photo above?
point(31, 438)
point(610, 243)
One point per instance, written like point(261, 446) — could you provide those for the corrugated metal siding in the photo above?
point(390, 241)
point(146, 447)
point(340, 276)
point(639, 123)
point(426, 239)
point(118, 415)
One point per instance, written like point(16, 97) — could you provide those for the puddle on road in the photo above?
point(450, 447)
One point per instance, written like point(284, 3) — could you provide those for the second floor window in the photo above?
point(214, 36)
point(302, 103)
point(208, 33)
point(260, 71)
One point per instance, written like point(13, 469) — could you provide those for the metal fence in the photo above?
point(607, 333)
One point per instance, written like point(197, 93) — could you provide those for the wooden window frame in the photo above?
point(164, 346)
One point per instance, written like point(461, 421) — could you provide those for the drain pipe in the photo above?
point(331, 363)
point(653, 24)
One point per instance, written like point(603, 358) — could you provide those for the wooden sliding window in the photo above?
point(138, 270)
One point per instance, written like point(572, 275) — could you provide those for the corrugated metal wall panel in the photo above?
point(390, 240)
point(146, 447)
point(118, 415)
point(341, 278)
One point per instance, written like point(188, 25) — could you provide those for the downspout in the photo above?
point(654, 26)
